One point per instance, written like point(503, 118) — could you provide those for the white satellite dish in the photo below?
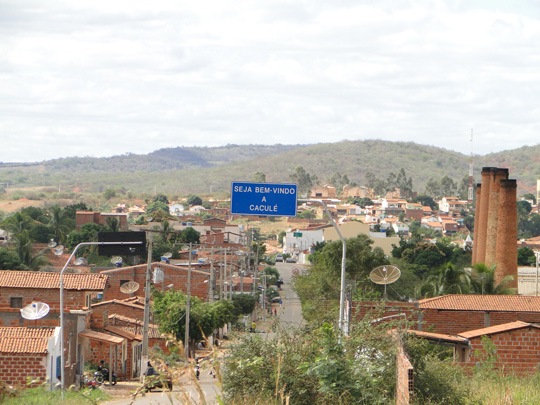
point(52, 244)
point(385, 275)
point(168, 255)
point(149, 219)
point(79, 261)
point(130, 287)
point(116, 260)
point(35, 310)
point(59, 250)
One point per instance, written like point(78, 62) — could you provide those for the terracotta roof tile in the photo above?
point(24, 339)
point(46, 280)
point(438, 336)
point(492, 330)
point(466, 302)
point(102, 337)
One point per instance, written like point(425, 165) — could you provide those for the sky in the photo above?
point(103, 78)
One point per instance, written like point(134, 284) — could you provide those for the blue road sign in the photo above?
point(264, 199)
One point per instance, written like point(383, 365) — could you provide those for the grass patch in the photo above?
point(40, 396)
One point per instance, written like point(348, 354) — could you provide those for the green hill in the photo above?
point(205, 170)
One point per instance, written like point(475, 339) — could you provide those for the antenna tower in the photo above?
point(471, 180)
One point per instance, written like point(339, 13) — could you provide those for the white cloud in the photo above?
point(102, 78)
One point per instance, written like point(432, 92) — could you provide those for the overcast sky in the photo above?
point(102, 78)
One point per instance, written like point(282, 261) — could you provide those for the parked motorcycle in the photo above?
point(102, 374)
point(92, 384)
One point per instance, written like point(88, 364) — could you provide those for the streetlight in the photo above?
point(341, 324)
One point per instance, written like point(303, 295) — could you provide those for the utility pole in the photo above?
point(188, 305)
point(146, 318)
point(211, 289)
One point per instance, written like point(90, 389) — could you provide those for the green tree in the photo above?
point(448, 187)
point(526, 256)
point(530, 196)
point(9, 261)
point(483, 281)
point(306, 214)
point(280, 237)
point(302, 179)
point(194, 200)
point(109, 193)
point(25, 253)
point(449, 280)
point(58, 224)
point(426, 201)
point(259, 177)
point(190, 235)
point(169, 308)
point(157, 206)
point(161, 198)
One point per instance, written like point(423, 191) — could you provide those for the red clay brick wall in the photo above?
point(72, 299)
point(16, 368)
point(404, 378)
point(447, 322)
point(100, 351)
point(518, 351)
point(177, 277)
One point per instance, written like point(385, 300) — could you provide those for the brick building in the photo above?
point(163, 275)
point(100, 218)
point(21, 288)
point(29, 352)
point(453, 314)
point(517, 347)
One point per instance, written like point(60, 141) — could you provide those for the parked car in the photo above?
point(290, 260)
point(279, 258)
point(153, 379)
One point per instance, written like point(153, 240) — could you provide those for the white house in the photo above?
point(301, 239)
point(176, 209)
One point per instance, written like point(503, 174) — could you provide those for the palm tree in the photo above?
point(483, 281)
point(449, 280)
point(113, 224)
point(57, 223)
point(24, 251)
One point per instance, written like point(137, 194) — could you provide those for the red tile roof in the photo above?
point(439, 337)
point(492, 330)
point(466, 302)
point(102, 337)
point(46, 280)
point(24, 339)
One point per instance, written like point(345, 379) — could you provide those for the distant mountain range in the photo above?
point(204, 170)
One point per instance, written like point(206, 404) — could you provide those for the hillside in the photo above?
point(208, 170)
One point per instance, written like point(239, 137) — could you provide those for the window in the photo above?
point(15, 302)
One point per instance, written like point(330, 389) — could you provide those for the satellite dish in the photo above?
point(130, 287)
point(35, 310)
point(79, 261)
point(59, 250)
point(384, 275)
point(168, 255)
point(116, 260)
point(149, 219)
point(52, 244)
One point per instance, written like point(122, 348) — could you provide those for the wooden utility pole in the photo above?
point(188, 305)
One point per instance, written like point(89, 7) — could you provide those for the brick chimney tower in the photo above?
point(506, 255)
point(476, 221)
point(480, 233)
point(493, 214)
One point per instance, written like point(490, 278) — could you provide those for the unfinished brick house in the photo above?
point(170, 274)
point(21, 288)
point(516, 344)
point(455, 313)
point(122, 319)
point(29, 352)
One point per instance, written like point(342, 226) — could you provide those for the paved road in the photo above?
point(289, 315)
